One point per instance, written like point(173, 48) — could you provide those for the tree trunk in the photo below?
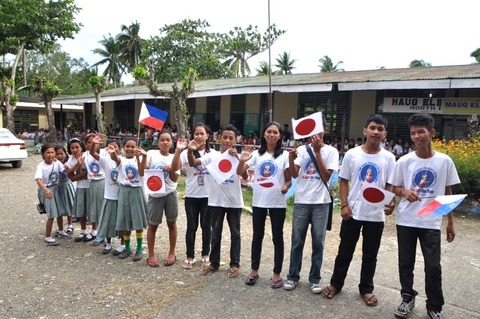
point(9, 89)
point(99, 115)
point(51, 122)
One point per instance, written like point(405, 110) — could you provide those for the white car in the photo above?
point(12, 149)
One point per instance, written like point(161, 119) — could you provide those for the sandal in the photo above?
point(205, 262)
point(277, 283)
point(152, 262)
point(169, 261)
point(370, 299)
point(251, 280)
point(187, 264)
point(329, 292)
point(233, 272)
point(209, 270)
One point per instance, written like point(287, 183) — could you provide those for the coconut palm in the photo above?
point(131, 45)
point(111, 54)
point(326, 65)
point(264, 69)
point(284, 63)
point(419, 64)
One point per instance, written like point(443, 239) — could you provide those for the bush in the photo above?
point(466, 156)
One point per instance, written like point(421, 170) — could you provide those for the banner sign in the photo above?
point(454, 106)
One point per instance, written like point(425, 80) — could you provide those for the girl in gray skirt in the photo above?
point(132, 207)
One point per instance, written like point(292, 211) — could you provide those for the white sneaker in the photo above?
point(290, 285)
point(315, 287)
point(50, 242)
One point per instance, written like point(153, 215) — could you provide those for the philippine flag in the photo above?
point(376, 196)
point(307, 126)
point(153, 181)
point(152, 116)
point(441, 205)
point(223, 168)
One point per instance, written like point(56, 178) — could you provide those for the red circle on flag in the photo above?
point(154, 183)
point(225, 166)
point(373, 195)
point(305, 127)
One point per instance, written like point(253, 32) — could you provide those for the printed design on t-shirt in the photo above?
point(53, 178)
point(114, 175)
point(200, 171)
point(62, 176)
point(131, 174)
point(161, 165)
point(95, 169)
point(266, 171)
point(310, 171)
point(424, 179)
point(369, 172)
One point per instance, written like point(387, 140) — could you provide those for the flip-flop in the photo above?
point(277, 283)
point(370, 299)
point(187, 264)
point(152, 262)
point(168, 262)
point(233, 272)
point(329, 292)
point(251, 280)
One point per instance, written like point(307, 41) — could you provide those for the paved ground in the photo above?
point(77, 281)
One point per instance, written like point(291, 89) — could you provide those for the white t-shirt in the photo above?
point(229, 193)
point(268, 171)
point(428, 177)
point(110, 168)
point(310, 188)
point(196, 182)
point(94, 169)
point(128, 172)
point(359, 167)
point(83, 183)
point(397, 149)
point(155, 160)
point(49, 173)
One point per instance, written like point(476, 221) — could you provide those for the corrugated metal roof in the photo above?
point(363, 80)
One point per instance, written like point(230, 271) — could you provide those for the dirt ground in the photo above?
point(74, 280)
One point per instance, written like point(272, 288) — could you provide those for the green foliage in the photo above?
point(326, 65)
point(182, 46)
point(239, 45)
point(419, 64)
point(112, 56)
point(476, 54)
point(285, 64)
point(46, 89)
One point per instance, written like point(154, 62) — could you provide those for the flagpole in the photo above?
point(138, 134)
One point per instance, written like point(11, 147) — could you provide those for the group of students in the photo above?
point(415, 177)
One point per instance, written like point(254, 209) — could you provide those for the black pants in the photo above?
point(277, 219)
point(196, 210)
point(349, 235)
point(217, 216)
point(430, 243)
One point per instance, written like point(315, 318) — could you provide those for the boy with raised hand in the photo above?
point(418, 177)
point(371, 164)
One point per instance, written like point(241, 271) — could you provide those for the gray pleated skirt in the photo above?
point(80, 202)
point(95, 199)
point(132, 209)
point(66, 194)
point(50, 204)
point(107, 221)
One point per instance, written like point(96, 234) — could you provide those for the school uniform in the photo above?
point(50, 176)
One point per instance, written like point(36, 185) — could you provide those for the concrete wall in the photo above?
point(363, 105)
point(285, 107)
point(224, 111)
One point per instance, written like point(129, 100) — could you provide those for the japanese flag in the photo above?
point(153, 181)
point(223, 168)
point(375, 196)
point(307, 126)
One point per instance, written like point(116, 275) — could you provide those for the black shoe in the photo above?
point(80, 238)
point(89, 237)
point(106, 250)
point(403, 310)
point(125, 254)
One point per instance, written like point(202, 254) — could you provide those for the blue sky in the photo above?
point(363, 34)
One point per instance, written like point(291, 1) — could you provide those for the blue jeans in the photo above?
point(196, 209)
point(277, 219)
point(430, 243)
point(317, 216)
point(349, 235)
point(217, 216)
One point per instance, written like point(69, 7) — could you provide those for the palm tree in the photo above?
point(476, 54)
point(284, 63)
point(419, 64)
point(111, 54)
point(264, 69)
point(131, 45)
point(326, 65)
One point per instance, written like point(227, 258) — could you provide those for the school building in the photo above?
point(450, 93)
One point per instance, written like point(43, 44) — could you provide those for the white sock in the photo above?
point(49, 239)
point(83, 231)
point(108, 246)
point(120, 248)
point(94, 233)
point(69, 226)
point(62, 232)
